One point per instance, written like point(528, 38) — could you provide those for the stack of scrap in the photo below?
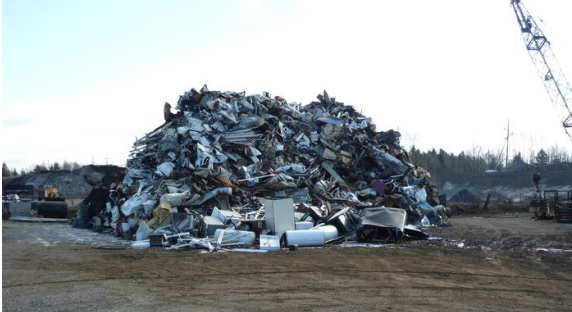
point(231, 170)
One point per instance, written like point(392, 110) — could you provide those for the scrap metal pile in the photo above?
point(230, 170)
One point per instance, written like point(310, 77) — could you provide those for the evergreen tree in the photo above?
point(517, 159)
point(40, 168)
point(542, 157)
point(5, 171)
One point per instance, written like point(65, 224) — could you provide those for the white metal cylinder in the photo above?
point(330, 231)
point(305, 238)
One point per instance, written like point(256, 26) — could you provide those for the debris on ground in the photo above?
point(231, 171)
point(14, 209)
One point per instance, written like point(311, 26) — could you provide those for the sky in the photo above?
point(81, 80)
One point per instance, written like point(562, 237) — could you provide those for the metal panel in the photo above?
point(279, 214)
point(269, 242)
point(21, 209)
point(209, 225)
point(304, 225)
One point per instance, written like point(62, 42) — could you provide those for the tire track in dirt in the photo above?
point(230, 274)
point(463, 274)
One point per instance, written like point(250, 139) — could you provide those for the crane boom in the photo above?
point(545, 62)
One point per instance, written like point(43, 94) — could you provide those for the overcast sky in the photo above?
point(81, 80)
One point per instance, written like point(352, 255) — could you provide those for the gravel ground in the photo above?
point(481, 263)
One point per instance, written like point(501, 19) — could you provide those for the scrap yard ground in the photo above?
point(481, 263)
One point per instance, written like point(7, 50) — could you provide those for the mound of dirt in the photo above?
point(73, 182)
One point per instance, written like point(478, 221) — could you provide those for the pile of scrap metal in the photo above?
point(236, 170)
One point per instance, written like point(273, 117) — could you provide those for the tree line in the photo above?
point(55, 166)
point(478, 161)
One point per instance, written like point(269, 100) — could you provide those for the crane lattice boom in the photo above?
point(545, 62)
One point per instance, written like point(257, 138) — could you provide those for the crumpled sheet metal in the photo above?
point(229, 149)
point(381, 224)
point(383, 217)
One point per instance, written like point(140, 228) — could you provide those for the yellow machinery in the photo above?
point(540, 207)
point(49, 193)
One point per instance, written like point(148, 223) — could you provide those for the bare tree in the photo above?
point(66, 165)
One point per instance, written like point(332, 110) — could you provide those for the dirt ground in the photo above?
point(488, 263)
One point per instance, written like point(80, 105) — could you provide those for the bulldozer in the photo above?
point(49, 193)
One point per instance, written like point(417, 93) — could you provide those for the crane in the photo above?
point(545, 62)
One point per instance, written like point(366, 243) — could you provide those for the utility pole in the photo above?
point(507, 138)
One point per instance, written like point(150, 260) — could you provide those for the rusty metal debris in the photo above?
point(257, 172)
